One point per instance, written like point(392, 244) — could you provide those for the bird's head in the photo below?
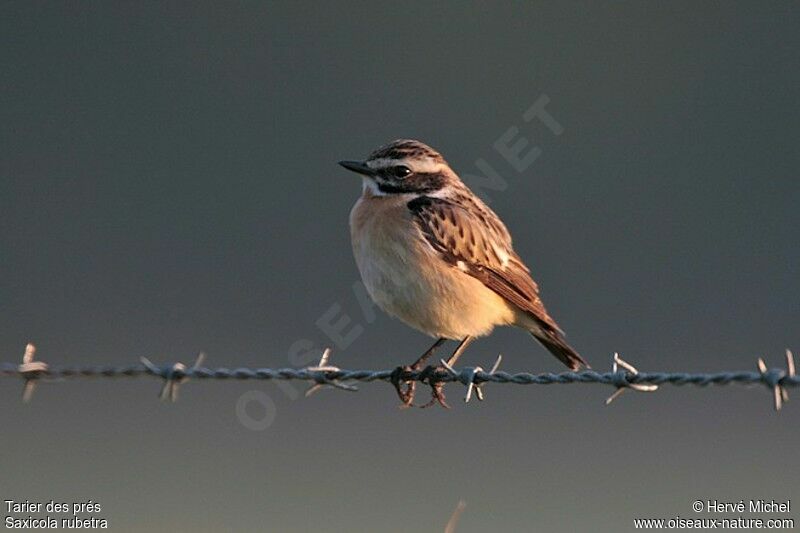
point(403, 167)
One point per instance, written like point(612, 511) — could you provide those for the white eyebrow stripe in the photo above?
point(385, 162)
point(425, 165)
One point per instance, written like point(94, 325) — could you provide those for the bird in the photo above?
point(432, 254)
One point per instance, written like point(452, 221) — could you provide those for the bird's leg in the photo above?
point(460, 350)
point(406, 393)
point(429, 352)
point(437, 387)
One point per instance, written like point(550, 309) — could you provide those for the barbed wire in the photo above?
point(623, 376)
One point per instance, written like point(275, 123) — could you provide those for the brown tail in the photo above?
point(557, 346)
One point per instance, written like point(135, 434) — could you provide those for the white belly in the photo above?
point(407, 279)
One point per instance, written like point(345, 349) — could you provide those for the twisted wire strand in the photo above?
point(771, 378)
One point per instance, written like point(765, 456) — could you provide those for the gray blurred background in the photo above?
point(168, 185)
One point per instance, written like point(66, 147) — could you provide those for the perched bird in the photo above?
point(432, 254)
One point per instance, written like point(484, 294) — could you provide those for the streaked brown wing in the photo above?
point(473, 239)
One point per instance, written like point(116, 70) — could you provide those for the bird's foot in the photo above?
point(430, 375)
point(405, 389)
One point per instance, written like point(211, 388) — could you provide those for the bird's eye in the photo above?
point(400, 171)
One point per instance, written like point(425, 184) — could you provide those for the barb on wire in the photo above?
point(30, 371)
point(320, 376)
point(468, 378)
point(623, 376)
point(773, 379)
point(623, 382)
point(175, 376)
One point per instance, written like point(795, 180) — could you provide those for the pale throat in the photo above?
point(369, 188)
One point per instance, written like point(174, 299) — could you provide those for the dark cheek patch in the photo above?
point(417, 183)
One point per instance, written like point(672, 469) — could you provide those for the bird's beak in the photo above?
point(358, 167)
